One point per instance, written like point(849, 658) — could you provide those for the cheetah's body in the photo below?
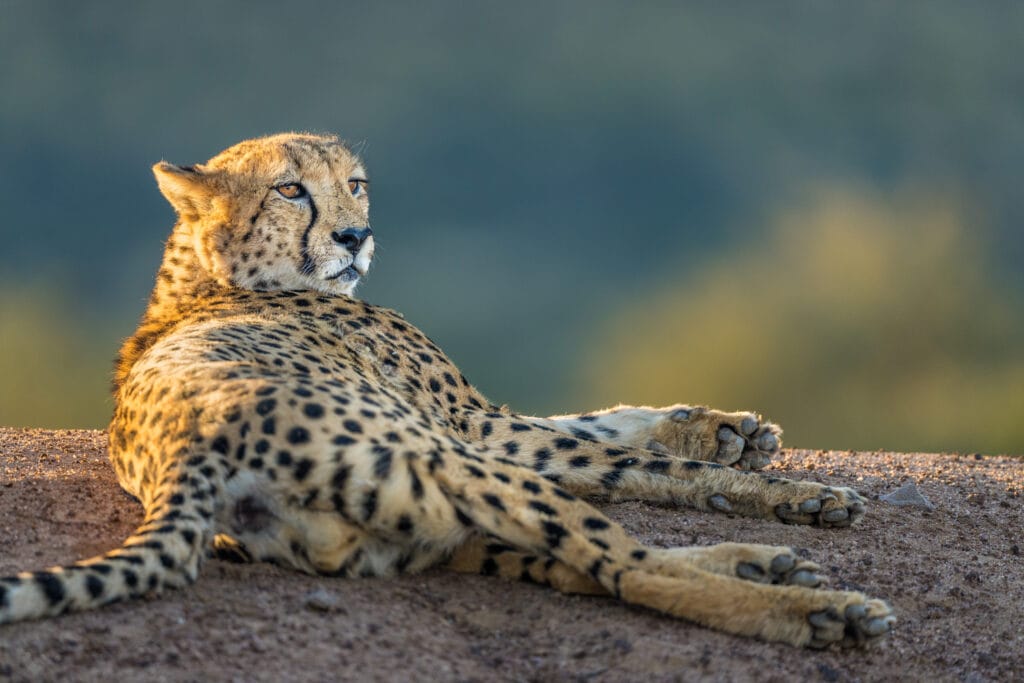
point(264, 413)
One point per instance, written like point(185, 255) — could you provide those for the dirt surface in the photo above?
point(955, 576)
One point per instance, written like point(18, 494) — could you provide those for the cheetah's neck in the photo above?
point(182, 286)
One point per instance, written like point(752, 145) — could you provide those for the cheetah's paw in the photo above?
point(742, 440)
point(826, 506)
point(857, 623)
point(782, 567)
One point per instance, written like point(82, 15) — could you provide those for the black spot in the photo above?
point(614, 451)
point(220, 445)
point(256, 463)
point(404, 524)
point(463, 518)
point(511, 447)
point(176, 499)
point(167, 561)
point(554, 533)
point(262, 446)
point(435, 386)
point(486, 429)
point(563, 494)
point(587, 418)
point(353, 426)
point(501, 477)
point(269, 426)
point(340, 476)
point(580, 461)
point(52, 587)
point(599, 543)
point(265, 407)
point(595, 568)
point(541, 459)
point(284, 458)
point(519, 427)
point(489, 567)
point(657, 466)
point(382, 465)
point(302, 468)
point(638, 554)
point(581, 434)
point(94, 585)
point(188, 535)
point(131, 579)
point(298, 435)
point(343, 440)
point(693, 465)
point(494, 501)
point(566, 444)
point(543, 508)
point(416, 486)
point(101, 569)
point(611, 478)
point(369, 505)
point(497, 548)
point(625, 462)
point(313, 410)
point(531, 486)
point(476, 471)
point(595, 523)
point(239, 452)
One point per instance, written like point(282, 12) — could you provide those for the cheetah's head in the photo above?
point(288, 211)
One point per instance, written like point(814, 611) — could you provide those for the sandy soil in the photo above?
point(955, 576)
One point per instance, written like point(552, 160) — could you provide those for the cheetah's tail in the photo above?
point(165, 551)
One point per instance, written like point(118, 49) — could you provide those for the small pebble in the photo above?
point(908, 495)
point(321, 600)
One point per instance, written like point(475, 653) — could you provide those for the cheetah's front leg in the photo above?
point(744, 440)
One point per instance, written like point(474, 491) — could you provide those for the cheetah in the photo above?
point(264, 414)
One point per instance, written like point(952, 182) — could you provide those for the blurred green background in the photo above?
point(810, 209)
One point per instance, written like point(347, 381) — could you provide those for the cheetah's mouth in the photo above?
point(349, 274)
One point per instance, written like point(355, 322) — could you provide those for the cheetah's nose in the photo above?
point(351, 238)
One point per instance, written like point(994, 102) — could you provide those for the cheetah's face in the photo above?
point(285, 212)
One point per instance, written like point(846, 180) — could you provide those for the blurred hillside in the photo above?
point(536, 167)
point(855, 320)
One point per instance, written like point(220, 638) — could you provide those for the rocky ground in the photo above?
point(954, 574)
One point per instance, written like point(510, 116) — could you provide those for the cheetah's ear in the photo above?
point(189, 189)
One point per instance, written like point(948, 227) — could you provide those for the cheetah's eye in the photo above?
point(357, 186)
point(291, 190)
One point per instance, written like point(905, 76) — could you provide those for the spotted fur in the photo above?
point(263, 413)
